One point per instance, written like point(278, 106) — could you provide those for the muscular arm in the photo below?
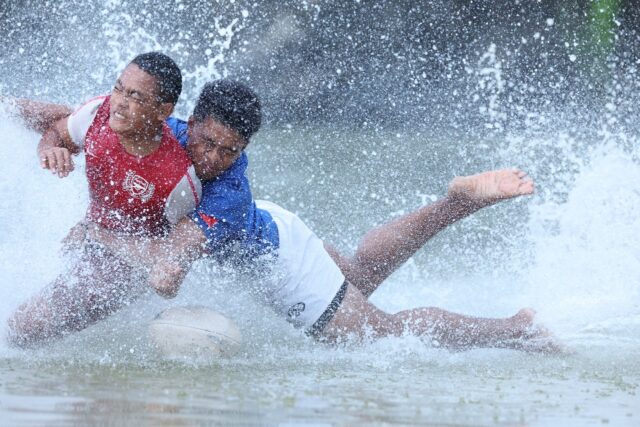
point(56, 146)
point(167, 260)
point(38, 115)
point(174, 257)
point(55, 149)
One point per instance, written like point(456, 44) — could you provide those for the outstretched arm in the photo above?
point(167, 260)
point(38, 115)
point(174, 257)
point(383, 249)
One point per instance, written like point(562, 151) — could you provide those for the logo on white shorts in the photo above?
point(295, 310)
point(138, 187)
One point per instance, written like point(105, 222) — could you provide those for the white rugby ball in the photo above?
point(194, 332)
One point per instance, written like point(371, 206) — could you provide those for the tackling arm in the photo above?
point(167, 260)
point(38, 115)
point(174, 256)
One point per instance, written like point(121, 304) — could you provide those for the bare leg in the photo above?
point(98, 285)
point(385, 248)
point(358, 318)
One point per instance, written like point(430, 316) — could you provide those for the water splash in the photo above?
point(586, 265)
point(490, 89)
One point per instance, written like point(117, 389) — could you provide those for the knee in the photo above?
point(20, 332)
point(31, 324)
point(395, 324)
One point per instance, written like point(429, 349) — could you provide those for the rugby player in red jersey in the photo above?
point(140, 183)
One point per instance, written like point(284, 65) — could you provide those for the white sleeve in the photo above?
point(79, 122)
point(184, 198)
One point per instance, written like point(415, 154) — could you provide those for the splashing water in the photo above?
point(580, 272)
point(569, 252)
point(586, 256)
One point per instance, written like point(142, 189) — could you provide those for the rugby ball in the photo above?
point(194, 332)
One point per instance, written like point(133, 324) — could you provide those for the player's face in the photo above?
point(213, 147)
point(135, 105)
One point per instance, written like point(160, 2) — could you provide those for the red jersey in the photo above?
point(128, 193)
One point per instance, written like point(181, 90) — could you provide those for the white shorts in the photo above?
point(307, 280)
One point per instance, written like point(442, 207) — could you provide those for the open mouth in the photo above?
point(118, 116)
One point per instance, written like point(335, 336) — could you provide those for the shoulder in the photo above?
point(90, 107)
point(185, 196)
point(228, 196)
point(171, 142)
point(227, 192)
point(80, 120)
point(179, 129)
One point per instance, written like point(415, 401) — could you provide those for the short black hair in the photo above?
point(231, 103)
point(166, 72)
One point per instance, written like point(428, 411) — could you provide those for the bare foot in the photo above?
point(490, 187)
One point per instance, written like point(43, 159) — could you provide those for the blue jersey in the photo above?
point(227, 214)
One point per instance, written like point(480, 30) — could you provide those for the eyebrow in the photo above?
point(131, 91)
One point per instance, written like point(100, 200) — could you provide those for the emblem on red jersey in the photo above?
point(209, 220)
point(137, 186)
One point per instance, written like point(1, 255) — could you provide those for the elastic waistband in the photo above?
point(316, 329)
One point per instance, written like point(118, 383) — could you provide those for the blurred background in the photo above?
point(355, 62)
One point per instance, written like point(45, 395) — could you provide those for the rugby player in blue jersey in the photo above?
point(309, 283)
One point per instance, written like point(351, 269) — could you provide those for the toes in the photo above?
point(518, 172)
point(527, 187)
point(514, 171)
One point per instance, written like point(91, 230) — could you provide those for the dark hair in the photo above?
point(231, 103)
point(166, 72)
